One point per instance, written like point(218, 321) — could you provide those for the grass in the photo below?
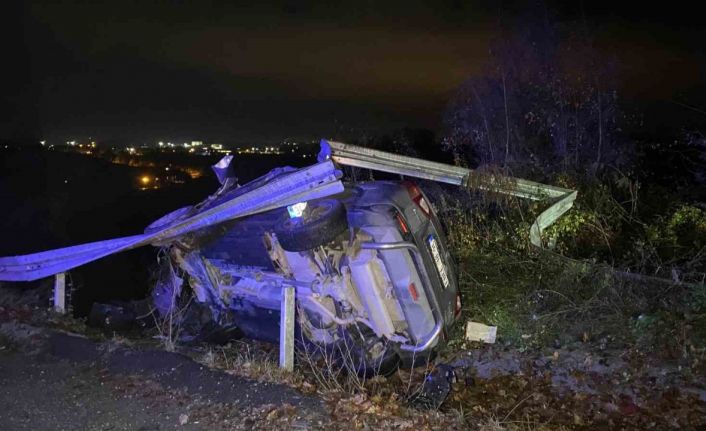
point(493, 423)
point(607, 273)
point(543, 299)
point(253, 359)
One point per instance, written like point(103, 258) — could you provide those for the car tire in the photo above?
point(321, 223)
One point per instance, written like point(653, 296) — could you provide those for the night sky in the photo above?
point(144, 71)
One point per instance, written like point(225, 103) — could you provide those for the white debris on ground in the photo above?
point(479, 332)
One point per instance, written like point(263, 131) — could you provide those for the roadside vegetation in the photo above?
point(603, 271)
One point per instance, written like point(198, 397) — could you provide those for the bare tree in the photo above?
point(545, 104)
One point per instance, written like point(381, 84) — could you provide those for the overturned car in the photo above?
point(370, 268)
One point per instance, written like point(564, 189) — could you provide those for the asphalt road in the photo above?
point(54, 381)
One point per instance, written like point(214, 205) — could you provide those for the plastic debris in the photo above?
point(479, 332)
point(436, 388)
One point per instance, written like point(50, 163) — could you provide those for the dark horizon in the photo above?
point(128, 72)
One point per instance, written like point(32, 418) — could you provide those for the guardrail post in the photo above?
point(60, 293)
point(286, 329)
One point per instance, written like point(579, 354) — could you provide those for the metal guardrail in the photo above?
point(316, 181)
point(361, 157)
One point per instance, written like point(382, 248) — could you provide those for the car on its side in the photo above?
point(370, 266)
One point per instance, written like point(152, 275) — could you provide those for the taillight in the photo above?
point(416, 195)
point(402, 223)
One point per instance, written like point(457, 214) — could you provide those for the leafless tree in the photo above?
point(545, 104)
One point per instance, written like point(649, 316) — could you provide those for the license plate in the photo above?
point(438, 261)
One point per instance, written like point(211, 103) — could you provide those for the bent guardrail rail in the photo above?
point(313, 182)
point(361, 157)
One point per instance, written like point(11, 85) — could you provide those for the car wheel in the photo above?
point(321, 222)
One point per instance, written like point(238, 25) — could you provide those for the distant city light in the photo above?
point(161, 144)
point(42, 142)
point(145, 179)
